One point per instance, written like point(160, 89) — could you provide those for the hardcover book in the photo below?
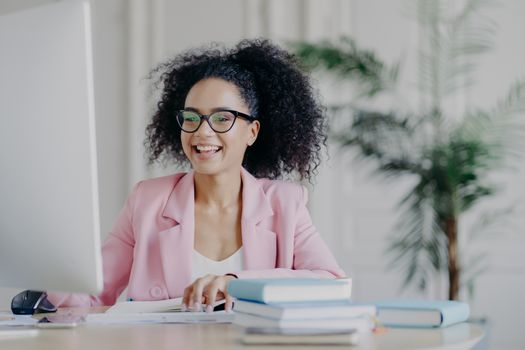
point(421, 313)
point(290, 289)
point(306, 309)
point(360, 324)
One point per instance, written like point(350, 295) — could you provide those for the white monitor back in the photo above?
point(49, 212)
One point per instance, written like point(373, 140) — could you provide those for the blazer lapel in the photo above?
point(260, 243)
point(176, 243)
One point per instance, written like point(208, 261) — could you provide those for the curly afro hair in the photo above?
point(277, 92)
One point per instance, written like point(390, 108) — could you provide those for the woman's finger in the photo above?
point(197, 292)
point(186, 297)
point(228, 306)
point(211, 294)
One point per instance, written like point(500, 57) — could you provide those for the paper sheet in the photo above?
point(9, 319)
point(168, 305)
point(161, 317)
point(127, 307)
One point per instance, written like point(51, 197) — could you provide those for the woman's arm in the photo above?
point(312, 257)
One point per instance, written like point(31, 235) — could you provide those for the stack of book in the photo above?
point(299, 311)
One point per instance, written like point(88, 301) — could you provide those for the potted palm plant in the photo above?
point(450, 157)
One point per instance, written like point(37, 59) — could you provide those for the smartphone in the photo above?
point(60, 321)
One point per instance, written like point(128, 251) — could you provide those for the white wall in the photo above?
point(353, 212)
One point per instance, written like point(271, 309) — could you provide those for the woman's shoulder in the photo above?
point(157, 187)
point(283, 189)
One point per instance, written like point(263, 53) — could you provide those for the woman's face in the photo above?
point(213, 153)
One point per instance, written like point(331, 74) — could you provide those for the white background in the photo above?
point(353, 213)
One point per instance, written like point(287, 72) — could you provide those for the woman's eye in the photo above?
point(191, 119)
point(222, 118)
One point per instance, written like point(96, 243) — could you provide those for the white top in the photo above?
point(202, 265)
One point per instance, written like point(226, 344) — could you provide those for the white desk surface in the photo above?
point(227, 336)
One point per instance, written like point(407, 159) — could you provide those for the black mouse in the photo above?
point(30, 302)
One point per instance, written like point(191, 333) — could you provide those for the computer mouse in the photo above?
point(30, 302)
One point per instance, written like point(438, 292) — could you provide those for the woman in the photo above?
point(241, 118)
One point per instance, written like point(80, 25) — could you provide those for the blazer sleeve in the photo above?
point(312, 257)
point(117, 259)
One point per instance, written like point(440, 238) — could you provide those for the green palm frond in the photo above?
point(384, 137)
point(467, 163)
point(494, 222)
point(453, 42)
point(419, 247)
point(506, 132)
point(345, 60)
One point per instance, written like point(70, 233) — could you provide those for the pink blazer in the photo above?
point(149, 249)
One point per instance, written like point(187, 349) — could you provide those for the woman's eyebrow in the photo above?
point(193, 109)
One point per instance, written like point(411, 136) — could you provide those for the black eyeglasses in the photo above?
point(221, 121)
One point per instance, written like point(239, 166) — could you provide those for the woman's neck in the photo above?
point(221, 190)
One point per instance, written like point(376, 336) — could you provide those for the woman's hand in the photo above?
point(206, 290)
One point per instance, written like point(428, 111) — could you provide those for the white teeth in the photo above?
point(207, 148)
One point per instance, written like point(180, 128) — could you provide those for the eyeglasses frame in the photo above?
point(206, 117)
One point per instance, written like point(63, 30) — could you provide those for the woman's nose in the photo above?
point(205, 129)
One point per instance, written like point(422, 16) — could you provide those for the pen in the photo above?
point(6, 318)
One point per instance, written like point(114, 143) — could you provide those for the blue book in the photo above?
point(281, 290)
point(421, 313)
point(360, 324)
point(306, 309)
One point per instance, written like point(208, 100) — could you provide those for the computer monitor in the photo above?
point(49, 211)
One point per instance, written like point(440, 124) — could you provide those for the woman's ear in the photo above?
point(254, 131)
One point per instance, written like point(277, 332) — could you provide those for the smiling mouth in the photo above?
point(207, 149)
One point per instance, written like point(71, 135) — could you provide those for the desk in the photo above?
point(226, 336)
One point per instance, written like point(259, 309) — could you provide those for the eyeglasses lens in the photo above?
point(220, 121)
